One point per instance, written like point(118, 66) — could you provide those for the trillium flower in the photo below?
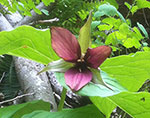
point(68, 48)
point(79, 62)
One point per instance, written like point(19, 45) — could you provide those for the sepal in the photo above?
point(57, 66)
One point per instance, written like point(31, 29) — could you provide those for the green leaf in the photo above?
point(85, 35)
point(95, 24)
point(138, 34)
point(105, 105)
point(37, 1)
point(89, 111)
point(83, 14)
point(134, 9)
point(28, 42)
point(17, 111)
point(45, 12)
point(31, 4)
point(109, 10)
point(124, 28)
point(105, 27)
point(130, 42)
point(47, 2)
point(135, 104)
point(113, 2)
point(143, 29)
point(125, 36)
point(113, 22)
point(143, 3)
point(99, 90)
point(113, 38)
point(37, 10)
point(146, 48)
point(130, 71)
point(127, 5)
point(4, 2)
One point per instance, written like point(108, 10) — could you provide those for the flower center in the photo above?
point(81, 65)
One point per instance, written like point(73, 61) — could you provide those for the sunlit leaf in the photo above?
point(89, 111)
point(135, 104)
point(28, 42)
point(99, 90)
point(105, 105)
point(104, 27)
point(143, 3)
point(47, 2)
point(130, 71)
point(113, 2)
point(17, 111)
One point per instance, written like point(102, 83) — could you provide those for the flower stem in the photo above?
point(63, 96)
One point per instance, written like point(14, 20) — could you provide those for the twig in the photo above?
point(45, 21)
point(145, 17)
point(2, 77)
point(18, 97)
point(130, 9)
point(48, 21)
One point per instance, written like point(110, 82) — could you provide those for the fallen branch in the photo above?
point(18, 97)
point(48, 21)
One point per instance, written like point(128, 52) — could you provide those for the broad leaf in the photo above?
point(109, 10)
point(105, 105)
point(92, 89)
point(130, 71)
point(135, 104)
point(113, 2)
point(112, 22)
point(28, 42)
point(143, 3)
point(17, 111)
point(89, 111)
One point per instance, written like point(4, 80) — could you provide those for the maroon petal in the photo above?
point(76, 79)
point(65, 44)
point(96, 56)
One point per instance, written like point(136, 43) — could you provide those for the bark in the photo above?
point(4, 24)
point(32, 83)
